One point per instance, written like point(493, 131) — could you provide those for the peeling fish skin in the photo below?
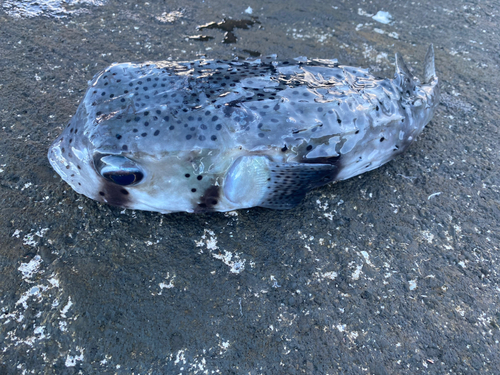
point(217, 135)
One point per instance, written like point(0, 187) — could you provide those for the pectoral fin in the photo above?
point(290, 183)
point(256, 181)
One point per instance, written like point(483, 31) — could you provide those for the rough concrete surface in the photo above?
point(392, 272)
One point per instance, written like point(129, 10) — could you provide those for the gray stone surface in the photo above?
point(394, 272)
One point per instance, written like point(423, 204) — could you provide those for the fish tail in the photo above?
point(403, 77)
point(401, 67)
point(429, 68)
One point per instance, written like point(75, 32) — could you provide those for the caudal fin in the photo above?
point(429, 69)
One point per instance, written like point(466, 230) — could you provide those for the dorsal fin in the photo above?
point(429, 69)
point(403, 77)
point(401, 67)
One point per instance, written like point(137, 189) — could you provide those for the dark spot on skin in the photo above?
point(118, 136)
point(382, 139)
point(284, 149)
point(189, 136)
point(193, 190)
point(115, 195)
point(213, 138)
point(309, 148)
point(333, 160)
point(144, 134)
point(199, 178)
point(156, 132)
point(339, 121)
point(209, 199)
point(124, 147)
point(187, 175)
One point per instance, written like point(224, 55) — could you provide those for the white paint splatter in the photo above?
point(164, 285)
point(413, 284)
point(357, 272)
point(71, 360)
point(29, 240)
point(169, 17)
point(366, 256)
point(317, 34)
point(249, 10)
point(30, 268)
point(428, 236)
point(329, 275)
point(209, 240)
point(382, 17)
point(35, 292)
point(66, 308)
point(361, 12)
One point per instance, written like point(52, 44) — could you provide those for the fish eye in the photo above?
point(119, 170)
point(124, 178)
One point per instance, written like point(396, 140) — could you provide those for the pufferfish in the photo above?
point(220, 135)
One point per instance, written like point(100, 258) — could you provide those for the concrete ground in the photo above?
point(392, 272)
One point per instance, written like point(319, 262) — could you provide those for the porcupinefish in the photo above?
point(217, 135)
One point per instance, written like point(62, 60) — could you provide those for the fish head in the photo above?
point(128, 170)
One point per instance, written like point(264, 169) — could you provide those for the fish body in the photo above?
point(215, 135)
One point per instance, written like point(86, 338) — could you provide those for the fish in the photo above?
point(220, 135)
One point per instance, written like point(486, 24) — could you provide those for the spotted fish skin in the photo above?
point(214, 135)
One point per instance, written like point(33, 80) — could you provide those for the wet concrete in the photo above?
point(394, 272)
